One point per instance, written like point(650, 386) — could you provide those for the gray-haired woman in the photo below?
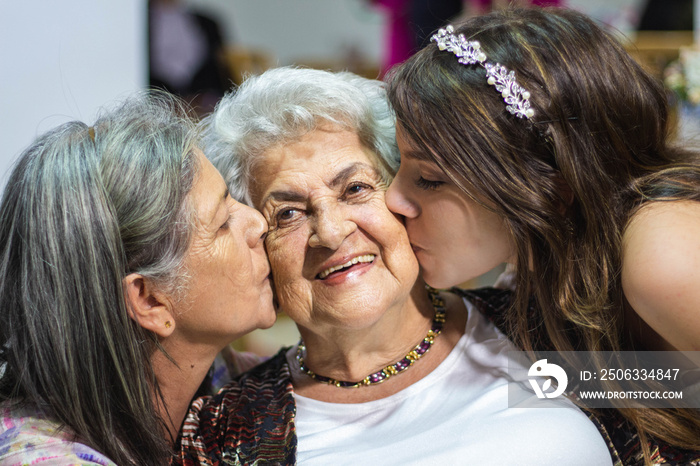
point(125, 267)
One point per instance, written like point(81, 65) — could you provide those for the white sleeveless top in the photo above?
point(458, 414)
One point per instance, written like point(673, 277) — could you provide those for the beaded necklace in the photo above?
point(407, 361)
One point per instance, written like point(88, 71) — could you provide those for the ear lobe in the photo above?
point(146, 306)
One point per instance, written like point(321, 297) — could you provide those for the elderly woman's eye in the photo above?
point(286, 215)
point(225, 225)
point(357, 188)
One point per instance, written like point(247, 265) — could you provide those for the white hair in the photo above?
point(283, 104)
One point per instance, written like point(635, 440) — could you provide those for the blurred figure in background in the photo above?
point(186, 54)
point(410, 23)
point(667, 15)
point(482, 7)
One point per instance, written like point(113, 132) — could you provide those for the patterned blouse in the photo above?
point(251, 422)
point(27, 437)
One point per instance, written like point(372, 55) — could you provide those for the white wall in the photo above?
point(300, 30)
point(622, 15)
point(62, 60)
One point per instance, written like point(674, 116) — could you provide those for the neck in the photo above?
point(179, 382)
point(352, 355)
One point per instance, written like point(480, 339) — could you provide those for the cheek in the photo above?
point(491, 226)
point(232, 256)
point(293, 293)
point(397, 238)
point(205, 266)
point(377, 217)
point(391, 234)
point(286, 262)
point(482, 235)
point(436, 226)
point(241, 269)
point(283, 260)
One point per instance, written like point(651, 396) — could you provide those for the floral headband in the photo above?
point(516, 98)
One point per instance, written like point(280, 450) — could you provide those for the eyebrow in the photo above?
point(290, 196)
point(415, 155)
point(347, 172)
point(338, 179)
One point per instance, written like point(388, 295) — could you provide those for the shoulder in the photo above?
point(257, 386)
point(625, 446)
point(27, 438)
point(493, 303)
point(568, 432)
point(663, 225)
point(250, 417)
point(661, 269)
point(228, 364)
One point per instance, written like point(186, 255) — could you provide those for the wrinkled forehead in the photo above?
point(320, 159)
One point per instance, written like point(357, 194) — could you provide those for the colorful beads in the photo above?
point(407, 361)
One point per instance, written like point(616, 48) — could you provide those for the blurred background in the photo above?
point(61, 61)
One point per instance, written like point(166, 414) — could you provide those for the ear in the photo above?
point(147, 306)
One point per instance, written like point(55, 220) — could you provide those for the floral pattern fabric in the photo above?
point(27, 437)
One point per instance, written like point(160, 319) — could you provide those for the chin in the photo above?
point(270, 320)
point(438, 281)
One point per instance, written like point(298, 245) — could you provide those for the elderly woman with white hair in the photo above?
point(387, 370)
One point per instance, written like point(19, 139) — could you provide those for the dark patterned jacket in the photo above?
point(250, 421)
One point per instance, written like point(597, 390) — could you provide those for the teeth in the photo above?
point(354, 260)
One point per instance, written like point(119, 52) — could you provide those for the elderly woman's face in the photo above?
point(229, 292)
point(338, 256)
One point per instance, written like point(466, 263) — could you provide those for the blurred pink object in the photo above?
point(398, 39)
point(486, 4)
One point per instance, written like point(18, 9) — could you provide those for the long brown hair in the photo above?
point(566, 181)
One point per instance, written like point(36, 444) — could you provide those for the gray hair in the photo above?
point(283, 104)
point(83, 208)
point(149, 143)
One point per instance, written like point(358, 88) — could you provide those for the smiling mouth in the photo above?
point(367, 258)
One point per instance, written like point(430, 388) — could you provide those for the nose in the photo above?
point(330, 228)
point(256, 230)
point(397, 201)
